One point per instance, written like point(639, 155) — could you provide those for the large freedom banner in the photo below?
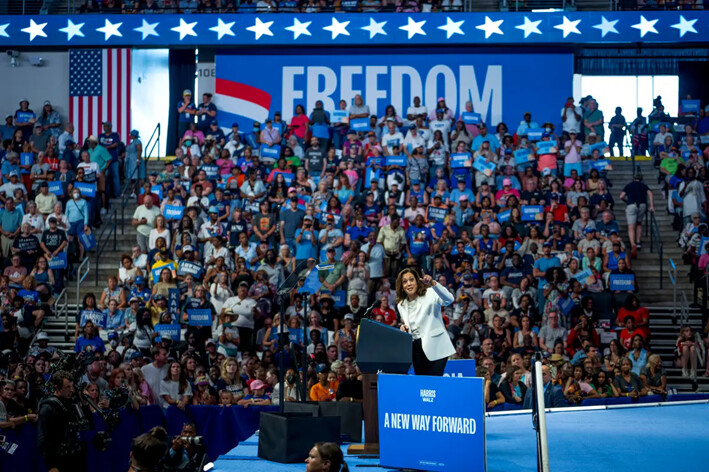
point(501, 86)
point(431, 423)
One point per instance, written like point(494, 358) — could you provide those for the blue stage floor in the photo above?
point(648, 439)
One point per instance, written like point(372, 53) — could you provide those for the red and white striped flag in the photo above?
point(99, 90)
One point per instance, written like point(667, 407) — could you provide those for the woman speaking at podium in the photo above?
point(419, 302)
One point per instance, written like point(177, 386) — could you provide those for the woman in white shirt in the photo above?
point(159, 231)
point(419, 302)
point(175, 390)
point(91, 169)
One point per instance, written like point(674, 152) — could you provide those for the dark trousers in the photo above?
point(424, 366)
point(246, 343)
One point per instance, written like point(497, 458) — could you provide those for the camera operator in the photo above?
point(57, 440)
point(186, 452)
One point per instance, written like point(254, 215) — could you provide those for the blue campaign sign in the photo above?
point(504, 216)
point(155, 273)
point(185, 267)
point(360, 124)
point(690, 106)
point(287, 176)
point(340, 298)
point(199, 317)
point(26, 159)
point(436, 213)
point(471, 118)
point(303, 200)
point(58, 262)
point(460, 368)
point(496, 84)
point(622, 282)
point(600, 164)
point(56, 188)
point(535, 134)
point(88, 240)
point(460, 159)
point(86, 190)
point(442, 429)
point(521, 154)
point(173, 212)
point(270, 152)
point(340, 116)
point(173, 302)
point(481, 165)
point(171, 331)
point(396, 161)
point(532, 212)
point(544, 147)
point(581, 276)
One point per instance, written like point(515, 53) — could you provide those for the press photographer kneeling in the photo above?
point(187, 453)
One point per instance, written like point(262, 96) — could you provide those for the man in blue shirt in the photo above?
point(306, 241)
point(11, 164)
point(186, 110)
point(547, 261)
point(358, 232)
point(459, 191)
point(206, 113)
point(8, 129)
point(216, 132)
point(25, 119)
point(110, 140)
point(10, 224)
point(485, 136)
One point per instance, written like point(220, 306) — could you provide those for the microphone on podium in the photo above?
point(368, 312)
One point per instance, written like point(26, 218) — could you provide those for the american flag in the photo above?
point(99, 90)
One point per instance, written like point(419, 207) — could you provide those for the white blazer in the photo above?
point(425, 322)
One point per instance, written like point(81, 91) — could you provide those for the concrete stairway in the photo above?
point(664, 338)
point(647, 264)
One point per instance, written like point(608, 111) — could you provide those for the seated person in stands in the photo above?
point(654, 377)
point(512, 388)
point(627, 383)
point(630, 331)
point(326, 388)
point(491, 394)
point(257, 395)
point(553, 394)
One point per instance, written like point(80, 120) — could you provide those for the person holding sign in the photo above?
point(419, 301)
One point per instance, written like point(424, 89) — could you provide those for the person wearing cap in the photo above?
point(245, 308)
point(206, 113)
point(39, 139)
point(13, 183)
point(50, 120)
point(571, 117)
point(10, 225)
point(326, 388)
point(25, 119)
point(485, 136)
point(526, 124)
point(216, 133)
point(269, 135)
point(186, 110)
point(547, 261)
point(638, 198)
point(257, 395)
point(7, 130)
point(306, 240)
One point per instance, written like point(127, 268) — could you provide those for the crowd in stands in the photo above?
point(325, 6)
point(517, 221)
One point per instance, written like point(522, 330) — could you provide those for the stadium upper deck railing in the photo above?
point(44, 7)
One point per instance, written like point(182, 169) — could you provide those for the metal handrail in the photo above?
point(101, 241)
point(85, 266)
point(59, 309)
point(656, 240)
point(672, 274)
point(147, 152)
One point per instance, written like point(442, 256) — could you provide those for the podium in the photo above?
point(380, 348)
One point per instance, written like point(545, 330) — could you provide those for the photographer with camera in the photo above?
point(187, 452)
point(57, 439)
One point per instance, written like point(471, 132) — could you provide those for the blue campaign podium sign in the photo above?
point(425, 423)
point(460, 368)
